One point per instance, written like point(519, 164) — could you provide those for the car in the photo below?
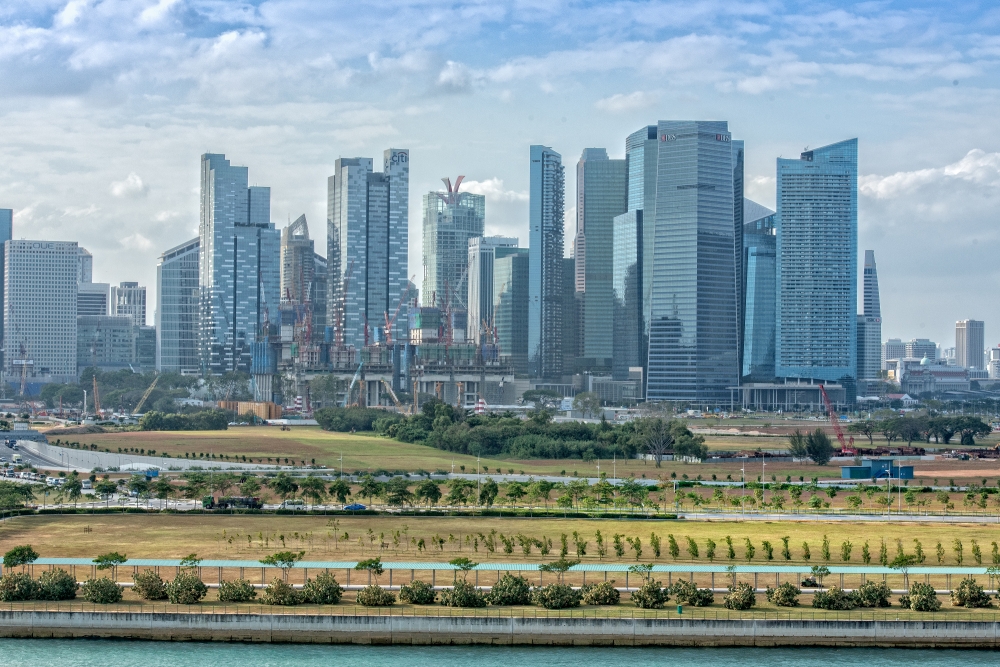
point(354, 507)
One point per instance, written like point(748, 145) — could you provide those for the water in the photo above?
point(111, 653)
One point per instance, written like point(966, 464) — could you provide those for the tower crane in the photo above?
point(145, 395)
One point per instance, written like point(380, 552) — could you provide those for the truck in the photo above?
point(16, 459)
point(232, 502)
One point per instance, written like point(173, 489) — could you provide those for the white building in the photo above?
point(129, 300)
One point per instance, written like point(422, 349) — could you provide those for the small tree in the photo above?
point(110, 561)
point(903, 563)
point(286, 560)
point(560, 567)
point(19, 557)
point(819, 447)
point(463, 565)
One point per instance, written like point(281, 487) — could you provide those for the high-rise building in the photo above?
point(545, 261)
point(6, 234)
point(817, 262)
point(602, 194)
point(319, 298)
point(629, 348)
point(870, 324)
point(738, 160)
point(571, 333)
point(176, 314)
point(894, 348)
point(758, 267)
point(367, 231)
point(239, 265)
point(92, 298)
point(40, 312)
point(483, 251)
point(451, 220)
point(510, 308)
point(969, 344)
point(693, 335)
point(129, 300)
point(85, 268)
point(918, 348)
point(297, 263)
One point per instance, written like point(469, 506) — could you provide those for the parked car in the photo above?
point(354, 507)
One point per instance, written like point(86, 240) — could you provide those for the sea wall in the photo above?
point(511, 630)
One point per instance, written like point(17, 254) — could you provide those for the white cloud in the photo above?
point(630, 102)
point(129, 188)
point(137, 242)
point(493, 189)
point(977, 167)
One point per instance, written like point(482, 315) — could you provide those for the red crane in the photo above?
point(835, 422)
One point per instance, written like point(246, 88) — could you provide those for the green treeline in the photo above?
point(921, 427)
point(206, 420)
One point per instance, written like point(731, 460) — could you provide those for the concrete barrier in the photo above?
point(300, 628)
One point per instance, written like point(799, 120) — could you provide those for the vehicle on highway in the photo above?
point(354, 507)
point(86, 484)
point(292, 503)
point(232, 502)
point(16, 458)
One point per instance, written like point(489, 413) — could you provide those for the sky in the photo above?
point(106, 107)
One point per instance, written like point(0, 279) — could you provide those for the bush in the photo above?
point(324, 589)
point(206, 420)
point(375, 596)
point(240, 590)
point(835, 599)
point(149, 586)
point(970, 594)
point(186, 588)
point(463, 594)
point(650, 596)
point(417, 592)
point(556, 596)
point(101, 591)
point(872, 594)
point(279, 592)
point(740, 597)
point(785, 595)
point(18, 587)
point(922, 597)
point(56, 585)
point(687, 593)
point(510, 590)
point(603, 593)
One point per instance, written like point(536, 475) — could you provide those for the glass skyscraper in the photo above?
point(177, 309)
point(693, 336)
point(870, 324)
point(759, 292)
point(629, 333)
point(545, 265)
point(510, 308)
point(817, 265)
point(6, 234)
point(239, 265)
point(451, 219)
point(483, 253)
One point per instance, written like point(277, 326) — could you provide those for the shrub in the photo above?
point(417, 592)
point(240, 590)
point(835, 599)
point(922, 597)
point(785, 595)
point(463, 594)
point(970, 594)
point(56, 585)
point(873, 594)
point(149, 586)
point(603, 593)
point(740, 597)
point(510, 590)
point(324, 589)
point(17, 587)
point(101, 591)
point(650, 596)
point(186, 588)
point(375, 596)
point(279, 592)
point(556, 596)
point(687, 593)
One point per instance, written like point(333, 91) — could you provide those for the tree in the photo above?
point(797, 445)
point(515, 491)
point(373, 566)
point(970, 427)
point(73, 487)
point(588, 402)
point(250, 486)
point(283, 485)
point(943, 428)
point(488, 492)
point(890, 429)
point(865, 427)
point(560, 567)
point(459, 490)
point(138, 484)
point(369, 488)
point(19, 556)
point(286, 560)
point(429, 491)
point(397, 492)
point(819, 447)
point(463, 565)
point(314, 488)
point(340, 490)
point(658, 440)
point(162, 488)
point(110, 561)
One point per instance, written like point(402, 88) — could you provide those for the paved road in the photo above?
point(868, 518)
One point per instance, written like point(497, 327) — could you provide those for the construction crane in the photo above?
point(145, 395)
point(834, 421)
point(395, 399)
point(24, 368)
point(97, 399)
point(354, 381)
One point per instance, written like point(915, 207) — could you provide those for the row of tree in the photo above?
point(910, 428)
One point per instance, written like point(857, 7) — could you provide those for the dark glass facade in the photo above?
point(545, 288)
point(629, 331)
point(510, 308)
point(759, 293)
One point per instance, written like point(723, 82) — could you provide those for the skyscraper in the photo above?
point(629, 347)
point(367, 232)
point(510, 308)
point(817, 265)
point(969, 344)
point(239, 265)
point(870, 324)
point(738, 159)
point(128, 299)
point(758, 267)
point(40, 312)
point(451, 220)
point(601, 192)
point(177, 309)
point(92, 298)
point(545, 255)
point(483, 252)
point(693, 335)
point(6, 234)
point(297, 262)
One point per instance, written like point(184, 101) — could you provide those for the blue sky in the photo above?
point(107, 106)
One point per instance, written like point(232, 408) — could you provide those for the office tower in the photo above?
point(817, 265)
point(85, 268)
point(6, 234)
point(738, 160)
point(693, 333)
point(969, 344)
point(176, 316)
point(92, 298)
point(545, 255)
point(870, 324)
point(918, 348)
point(629, 348)
point(482, 253)
point(894, 348)
point(510, 308)
point(367, 214)
point(129, 300)
point(319, 294)
point(297, 263)
point(451, 220)
point(758, 267)
point(239, 265)
point(105, 342)
point(571, 333)
point(40, 312)
point(602, 194)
